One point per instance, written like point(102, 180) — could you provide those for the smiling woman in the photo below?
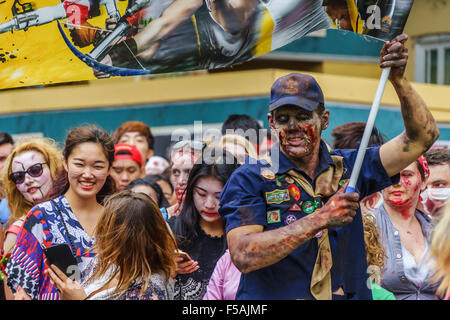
point(70, 215)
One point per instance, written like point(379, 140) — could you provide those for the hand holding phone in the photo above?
point(185, 264)
point(67, 288)
point(183, 255)
point(61, 256)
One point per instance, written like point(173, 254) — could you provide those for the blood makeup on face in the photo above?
point(207, 197)
point(181, 167)
point(297, 131)
point(33, 188)
point(405, 195)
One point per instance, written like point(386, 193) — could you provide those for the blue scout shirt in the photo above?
point(253, 197)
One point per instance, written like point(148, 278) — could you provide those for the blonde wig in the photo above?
point(374, 248)
point(440, 251)
point(49, 149)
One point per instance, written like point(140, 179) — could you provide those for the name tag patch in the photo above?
point(277, 196)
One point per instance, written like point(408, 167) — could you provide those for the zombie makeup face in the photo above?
point(182, 164)
point(207, 197)
point(405, 195)
point(298, 130)
point(32, 188)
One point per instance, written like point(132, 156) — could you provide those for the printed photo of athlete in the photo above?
point(215, 33)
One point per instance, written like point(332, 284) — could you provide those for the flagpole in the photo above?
point(368, 130)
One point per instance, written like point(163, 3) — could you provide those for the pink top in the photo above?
point(224, 280)
point(15, 227)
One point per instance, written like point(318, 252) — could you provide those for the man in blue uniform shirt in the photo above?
point(291, 229)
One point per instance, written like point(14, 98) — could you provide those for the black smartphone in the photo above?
point(61, 256)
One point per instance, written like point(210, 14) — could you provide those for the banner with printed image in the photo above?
point(53, 41)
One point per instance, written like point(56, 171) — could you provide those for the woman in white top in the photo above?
point(134, 254)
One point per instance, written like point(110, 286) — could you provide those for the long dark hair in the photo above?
point(79, 135)
point(218, 164)
point(161, 201)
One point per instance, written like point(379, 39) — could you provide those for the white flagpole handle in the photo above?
point(368, 131)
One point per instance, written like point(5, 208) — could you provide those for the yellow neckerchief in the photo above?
point(327, 183)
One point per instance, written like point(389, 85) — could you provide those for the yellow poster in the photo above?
point(52, 41)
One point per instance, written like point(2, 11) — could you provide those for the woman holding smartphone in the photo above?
point(69, 217)
point(134, 254)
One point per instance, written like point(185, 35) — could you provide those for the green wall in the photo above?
point(336, 42)
point(56, 124)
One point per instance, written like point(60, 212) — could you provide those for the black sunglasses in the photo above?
point(34, 171)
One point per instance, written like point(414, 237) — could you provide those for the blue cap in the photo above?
point(296, 89)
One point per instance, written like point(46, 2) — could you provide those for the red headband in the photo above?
point(423, 162)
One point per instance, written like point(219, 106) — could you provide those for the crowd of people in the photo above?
point(236, 218)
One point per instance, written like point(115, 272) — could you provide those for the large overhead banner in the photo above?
point(52, 41)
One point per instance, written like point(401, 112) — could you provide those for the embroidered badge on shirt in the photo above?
point(277, 196)
point(278, 183)
point(267, 173)
point(273, 216)
point(295, 207)
point(294, 191)
point(317, 204)
point(289, 219)
point(308, 207)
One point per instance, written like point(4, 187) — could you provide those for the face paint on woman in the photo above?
point(207, 198)
point(181, 167)
point(405, 195)
point(33, 189)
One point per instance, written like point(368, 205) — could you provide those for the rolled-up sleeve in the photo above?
point(373, 176)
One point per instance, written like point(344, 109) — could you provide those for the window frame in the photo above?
point(423, 44)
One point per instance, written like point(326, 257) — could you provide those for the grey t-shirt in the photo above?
point(399, 276)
